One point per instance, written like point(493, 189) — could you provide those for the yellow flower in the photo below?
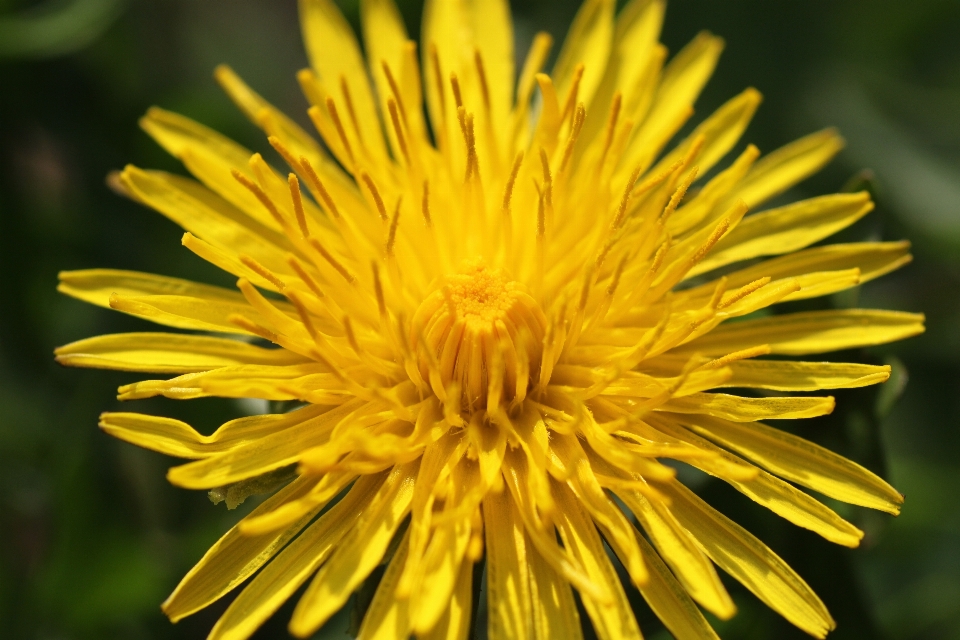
point(496, 319)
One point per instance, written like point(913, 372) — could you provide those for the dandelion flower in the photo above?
point(494, 298)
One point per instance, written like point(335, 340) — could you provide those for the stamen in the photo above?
point(395, 90)
point(318, 187)
point(484, 89)
point(678, 195)
point(466, 128)
point(601, 311)
point(397, 129)
point(536, 57)
point(285, 153)
point(351, 336)
point(260, 195)
point(615, 282)
point(250, 326)
point(656, 180)
point(378, 291)
point(425, 203)
point(262, 271)
point(335, 117)
point(378, 201)
point(349, 277)
point(585, 290)
point(438, 78)
point(392, 231)
point(301, 272)
point(602, 255)
point(743, 292)
point(627, 192)
point(611, 127)
point(455, 85)
point(348, 100)
point(718, 232)
point(578, 118)
point(659, 257)
point(304, 314)
point(752, 352)
point(541, 219)
point(718, 292)
point(298, 204)
point(572, 94)
point(547, 177)
point(508, 189)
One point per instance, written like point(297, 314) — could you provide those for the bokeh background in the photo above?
point(92, 538)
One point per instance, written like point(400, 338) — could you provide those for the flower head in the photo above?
point(496, 320)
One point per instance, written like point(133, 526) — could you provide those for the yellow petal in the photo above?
point(611, 621)
point(96, 286)
point(787, 229)
point(702, 208)
point(508, 580)
point(259, 456)
point(388, 617)
point(269, 118)
point(166, 435)
point(750, 561)
point(188, 312)
point(335, 55)
point(385, 39)
point(329, 486)
point(292, 566)
point(554, 613)
point(871, 259)
point(209, 156)
point(790, 375)
point(177, 133)
point(175, 438)
point(609, 518)
point(518, 481)
point(629, 66)
point(719, 133)
point(167, 353)
point(288, 382)
point(809, 332)
point(442, 560)
point(353, 561)
point(587, 43)
point(740, 409)
point(494, 38)
point(799, 461)
point(234, 557)
point(773, 493)
point(455, 623)
point(669, 600)
point(679, 550)
point(439, 460)
point(169, 301)
point(788, 165)
point(683, 79)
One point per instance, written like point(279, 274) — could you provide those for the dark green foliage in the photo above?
point(92, 538)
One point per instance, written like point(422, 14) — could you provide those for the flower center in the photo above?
point(483, 333)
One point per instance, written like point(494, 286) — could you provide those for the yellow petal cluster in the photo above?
point(494, 296)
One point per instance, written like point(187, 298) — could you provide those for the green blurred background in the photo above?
point(92, 538)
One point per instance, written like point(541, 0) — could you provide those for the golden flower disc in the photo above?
point(482, 333)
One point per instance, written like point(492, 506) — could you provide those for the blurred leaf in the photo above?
point(57, 27)
point(891, 391)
